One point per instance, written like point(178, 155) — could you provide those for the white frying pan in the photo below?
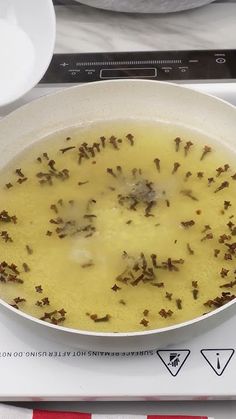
point(109, 100)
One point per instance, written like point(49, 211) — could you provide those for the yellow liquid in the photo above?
point(78, 271)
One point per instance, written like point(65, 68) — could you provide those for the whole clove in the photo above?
point(164, 313)
point(177, 141)
point(206, 150)
point(187, 224)
point(189, 249)
point(223, 185)
point(187, 147)
point(157, 163)
point(130, 138)
point(179, 303)
point(175, 168)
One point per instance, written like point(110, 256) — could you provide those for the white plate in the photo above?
point(27, 38)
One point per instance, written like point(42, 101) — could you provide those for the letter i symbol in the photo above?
point(218, 361)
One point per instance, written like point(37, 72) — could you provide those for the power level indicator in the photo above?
point(119, 73)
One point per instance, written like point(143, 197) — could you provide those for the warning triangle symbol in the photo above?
point(173, 359)
point(218, 359)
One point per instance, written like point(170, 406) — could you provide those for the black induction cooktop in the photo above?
point(205, 65)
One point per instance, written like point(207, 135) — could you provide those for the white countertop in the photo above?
point(86, 29)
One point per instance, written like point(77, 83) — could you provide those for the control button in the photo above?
point(73, 72)
point(89, 71)
point(220, 60)
point(183, 69)
point(64, 64)
point(167, 69)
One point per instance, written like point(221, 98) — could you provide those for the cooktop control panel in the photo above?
point(152, 65)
